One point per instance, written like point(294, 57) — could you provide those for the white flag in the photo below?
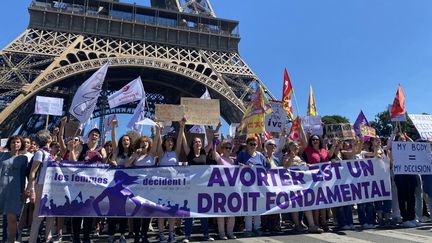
point(49, 106)
point(146, 121)
point(133, 91)
point(85, 99)
point(201, 128)
point(138, 115)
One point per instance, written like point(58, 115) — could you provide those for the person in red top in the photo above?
point(314, 153)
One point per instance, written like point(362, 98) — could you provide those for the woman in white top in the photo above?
point(168, 152)
point(35, 185)
point(122, 153)
point(142, 157)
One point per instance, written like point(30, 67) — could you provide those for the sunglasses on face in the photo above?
point(228, 147)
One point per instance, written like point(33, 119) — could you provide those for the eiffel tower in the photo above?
point(177, 47)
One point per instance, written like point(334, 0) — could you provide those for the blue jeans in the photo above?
point(366, 213)
point(344, 215)
point(188, 226)
point(383, 206)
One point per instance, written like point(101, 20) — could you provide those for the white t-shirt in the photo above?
point(145, 160)
point(38, 156)
point(169, 159)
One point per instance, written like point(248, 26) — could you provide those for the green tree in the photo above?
point(334, 119)
point(384, 126)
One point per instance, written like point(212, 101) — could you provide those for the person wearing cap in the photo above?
point(89, 152)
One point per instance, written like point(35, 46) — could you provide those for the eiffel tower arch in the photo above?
point(177, 47)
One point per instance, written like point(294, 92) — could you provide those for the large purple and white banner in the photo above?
point(76, 189)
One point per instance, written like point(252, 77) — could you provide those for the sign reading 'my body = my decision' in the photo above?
point(412, 158)
point(209, 191)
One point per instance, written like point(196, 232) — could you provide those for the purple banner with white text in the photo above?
point(91, 190)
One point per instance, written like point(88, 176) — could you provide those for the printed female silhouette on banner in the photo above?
point(118, 195)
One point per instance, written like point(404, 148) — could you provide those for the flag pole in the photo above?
point(46, 122)
point(295, 100)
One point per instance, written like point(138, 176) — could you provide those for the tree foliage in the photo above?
point(334, 119)
point(384, 126)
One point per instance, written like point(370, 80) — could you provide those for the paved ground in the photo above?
point(422, 234)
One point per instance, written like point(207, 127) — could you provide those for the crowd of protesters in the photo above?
point(24, 160)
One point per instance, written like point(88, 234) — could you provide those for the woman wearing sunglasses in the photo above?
point(251, 157)
point(222, 157)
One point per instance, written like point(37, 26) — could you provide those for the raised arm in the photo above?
point(181, 139)
point(158, 142)
point(154, 149)
point(303, 139)
point(63, 147)
point(114, 124)
point(282, 142)
point(210, 138)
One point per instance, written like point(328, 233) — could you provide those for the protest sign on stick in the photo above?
point(313, 124)
point(412, 158)
point(277, 119)
point(423, 124)
point(201, 111)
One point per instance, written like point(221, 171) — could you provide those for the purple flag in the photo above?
point(361, 120)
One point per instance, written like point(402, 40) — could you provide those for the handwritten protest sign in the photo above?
point(210, 191)
point(423, 124)
point(412, 158)
point(313, 124)
point(277, 119)
point(201, 111)
point(169, 112)
point(49, 106)
point(367, 131)
point(341, 131)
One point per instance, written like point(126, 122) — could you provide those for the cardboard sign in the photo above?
point(201, 111)
point(71, 129)
point(277, 119)
point(49, 106)
point(169, 112)
point(341, 131)
point(423, 124)
point(313, 124)
point(412, 158)
point(367, 131)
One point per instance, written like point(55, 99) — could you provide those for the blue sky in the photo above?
point(353, 53)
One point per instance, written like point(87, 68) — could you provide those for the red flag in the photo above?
point(398, 107)
point(286, 95)
point(294, 134)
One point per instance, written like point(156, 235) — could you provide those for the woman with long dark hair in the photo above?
point(168, 151)
point(12, 180)
point(196, 155)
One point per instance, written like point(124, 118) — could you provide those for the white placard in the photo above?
point(423, 124)
point(314, 124)
point(49, 106)
point(277, 119)
point(3, 142)
point(412, 158)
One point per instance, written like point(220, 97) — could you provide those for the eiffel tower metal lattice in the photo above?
point(176, 53)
